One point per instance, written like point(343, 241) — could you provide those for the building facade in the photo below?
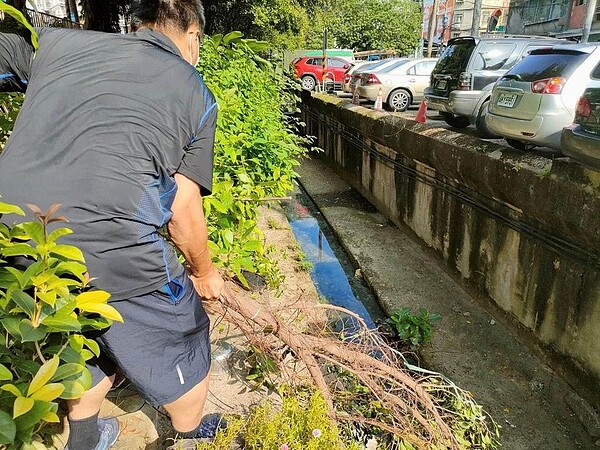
point(455, 18)
point(557, 18)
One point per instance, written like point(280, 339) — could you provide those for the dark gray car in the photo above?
point(581, 140)
point(462, 80)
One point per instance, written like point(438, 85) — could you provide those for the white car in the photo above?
point(537, 98)
point(401, 84)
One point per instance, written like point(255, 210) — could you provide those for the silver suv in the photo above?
point(462, 80)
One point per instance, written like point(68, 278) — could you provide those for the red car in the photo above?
point(310, 71)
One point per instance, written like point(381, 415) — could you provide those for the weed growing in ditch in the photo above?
point(415, 329)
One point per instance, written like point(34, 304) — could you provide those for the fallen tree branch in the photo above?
point(413, 415)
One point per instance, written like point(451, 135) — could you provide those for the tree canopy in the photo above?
point(294, 24)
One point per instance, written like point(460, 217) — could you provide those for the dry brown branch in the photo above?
point(413, 415)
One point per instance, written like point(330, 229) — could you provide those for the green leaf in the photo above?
point(35, 231)
point(12, 389)
point(8, 429)
point(67, 370)
point(25, 302)
point(93, 346)
point(5, 374)
point(106, 311)
point(11, 324)
point(68, 251)
point(20, 250)
point(5, 208)
point(48, 392)
point(18, 16)
point(252, 246)
point(62, 322)
point(95, 302)
point(27, 421)
point(22, 405)
point(91, 297)
point(58, 233)
point(73, 390)
point(233, 36)
point(29, 333)
point(51, 417)
point(44, 375)
point(73, 268)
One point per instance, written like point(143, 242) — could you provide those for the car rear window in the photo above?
point(492, 55)
point(455, 57)
point(542, 64)
point(393, 66)
point(596, 72)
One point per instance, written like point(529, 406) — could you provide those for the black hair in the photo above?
point(180, 14)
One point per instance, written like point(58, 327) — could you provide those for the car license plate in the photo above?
point(507, 100)
point(441, 84)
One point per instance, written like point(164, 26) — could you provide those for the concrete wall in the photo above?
point(522, 231)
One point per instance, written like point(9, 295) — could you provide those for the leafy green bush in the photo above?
point(44, 310)
point(256, 150)
point(301, 423)
point(416, 329)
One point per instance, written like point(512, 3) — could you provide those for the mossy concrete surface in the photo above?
point(470, 345)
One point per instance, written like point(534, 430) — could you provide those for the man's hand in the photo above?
point(210, 286)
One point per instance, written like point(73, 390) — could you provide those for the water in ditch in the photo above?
point(332, 271)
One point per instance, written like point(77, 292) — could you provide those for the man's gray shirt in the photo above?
point(107, 121)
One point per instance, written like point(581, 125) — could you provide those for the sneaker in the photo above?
point(207, 431)
point(109, 432)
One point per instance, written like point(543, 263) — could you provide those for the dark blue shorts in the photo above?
point(163, 346)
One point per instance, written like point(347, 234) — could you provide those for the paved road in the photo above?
point(434, 119)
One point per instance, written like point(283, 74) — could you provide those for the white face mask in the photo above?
point(191, 48)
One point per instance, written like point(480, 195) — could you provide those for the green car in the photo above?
point(581, 140)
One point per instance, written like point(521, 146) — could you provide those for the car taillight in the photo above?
point(373, 79)
point(464, 81)
point(548, 86)
point(584, 109)
point(347, 78)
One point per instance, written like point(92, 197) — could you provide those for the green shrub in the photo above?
point(256, 150)
point(44, 310)
point(300, 423)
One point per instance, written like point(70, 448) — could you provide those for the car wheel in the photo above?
point(520, 145)
point(399, 100)
point(482, 127)
point(456, 121)
point(308, 82)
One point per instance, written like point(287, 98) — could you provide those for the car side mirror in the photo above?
point(346, 66)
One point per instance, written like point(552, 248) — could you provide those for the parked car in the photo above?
point(356, 78)
point(401, 84)
point(309, 69)
point(537, 98)
point(581, 140)
point(461, 82)
point(349, 71)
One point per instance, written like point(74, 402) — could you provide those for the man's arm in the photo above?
point(16, 55)
point(188, 231)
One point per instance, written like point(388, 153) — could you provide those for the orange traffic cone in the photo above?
point(379, 100)
point(422, 113)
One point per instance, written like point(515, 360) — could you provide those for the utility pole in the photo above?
point(432, 26)
point(589, 18)
point(476, 18)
